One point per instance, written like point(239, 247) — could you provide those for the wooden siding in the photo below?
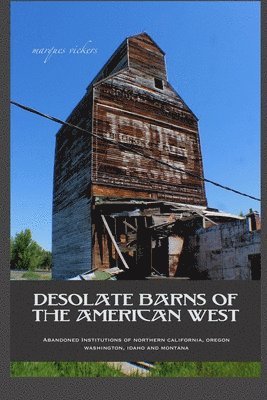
point(146, 56)
point(117, 61)
point(71, 229)
point(128, 109)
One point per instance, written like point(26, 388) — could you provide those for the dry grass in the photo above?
point(21, 275)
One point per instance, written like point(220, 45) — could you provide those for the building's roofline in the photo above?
point(222, 214)
point(108, 77)
point(187, 109)
point(125, 41)
point(146, 34)
point(95, 82)
point(110, 58)
point(206, 211)
point(175, 91)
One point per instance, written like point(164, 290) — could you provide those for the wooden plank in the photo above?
point(129, 225)
point(200, 213)
point(114, 242)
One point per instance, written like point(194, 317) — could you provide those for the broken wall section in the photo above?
point(226, 251)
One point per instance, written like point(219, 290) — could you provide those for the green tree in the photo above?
point(25, 252)
point(46, 261)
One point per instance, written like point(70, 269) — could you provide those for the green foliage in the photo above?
point(22, 274)
point(63, 369)
point(26, 254)
point(35, 276)
point(207, 369)
point(30, 275)
point(46, 261)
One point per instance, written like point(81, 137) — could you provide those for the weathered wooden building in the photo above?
point(113, 203)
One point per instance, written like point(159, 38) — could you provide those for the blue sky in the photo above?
point(213, 61)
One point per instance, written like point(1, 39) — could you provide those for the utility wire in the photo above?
point(129, 147)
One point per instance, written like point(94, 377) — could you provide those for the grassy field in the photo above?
point(208, 369)
point(163, 369)
point(20, 275)
point(63, 369)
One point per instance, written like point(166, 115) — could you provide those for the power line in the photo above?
point(129, 147)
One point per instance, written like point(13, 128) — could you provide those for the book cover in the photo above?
point(135, 191)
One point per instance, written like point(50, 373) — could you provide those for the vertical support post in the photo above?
point(161, 256)
point(143, 250)
point(114, 242)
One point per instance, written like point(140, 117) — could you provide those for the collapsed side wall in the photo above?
point(71, 224)
point(222, 251)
